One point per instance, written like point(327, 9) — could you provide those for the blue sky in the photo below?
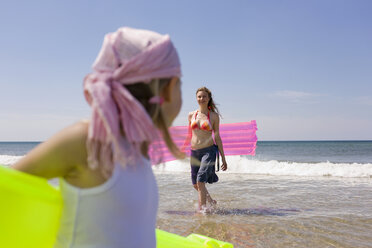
point(302, 69)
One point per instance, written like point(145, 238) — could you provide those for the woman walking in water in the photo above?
point(203, 122)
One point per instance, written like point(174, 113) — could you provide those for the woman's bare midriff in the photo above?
point(201, 139)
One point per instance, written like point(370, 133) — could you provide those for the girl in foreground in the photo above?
point(108, 187)
point(203, 122)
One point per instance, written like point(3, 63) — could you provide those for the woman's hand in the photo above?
point(224, 166)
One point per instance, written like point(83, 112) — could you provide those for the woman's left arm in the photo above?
point(217, 138)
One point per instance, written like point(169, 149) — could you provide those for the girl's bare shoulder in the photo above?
point(58, 155)
point(78, 130)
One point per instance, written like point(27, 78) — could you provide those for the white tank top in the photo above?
point(118, 213)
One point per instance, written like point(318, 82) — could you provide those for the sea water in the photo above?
point(291, 194)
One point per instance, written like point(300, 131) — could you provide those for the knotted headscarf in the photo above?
point(127, 56)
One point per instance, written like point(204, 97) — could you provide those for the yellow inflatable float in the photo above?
point(30, 210)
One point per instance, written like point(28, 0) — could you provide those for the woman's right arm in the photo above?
point(59, 155)
point(187, 142)
point(190, 116)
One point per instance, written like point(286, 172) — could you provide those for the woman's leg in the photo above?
point(202, 195)
point(209, 198)
point(202, 162)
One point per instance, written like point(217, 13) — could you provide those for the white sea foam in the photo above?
point(240, 164)
point(8, 159)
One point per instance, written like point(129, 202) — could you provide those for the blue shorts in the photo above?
point(203, 165)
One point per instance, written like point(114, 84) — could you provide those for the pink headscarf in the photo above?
point(127, 56)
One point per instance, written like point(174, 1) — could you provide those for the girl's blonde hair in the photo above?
point(143, 92)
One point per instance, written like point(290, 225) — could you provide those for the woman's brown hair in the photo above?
point(211, 104)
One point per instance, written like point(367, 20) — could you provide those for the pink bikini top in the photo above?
point(206, 125)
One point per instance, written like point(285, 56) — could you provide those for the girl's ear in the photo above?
point(166, 93)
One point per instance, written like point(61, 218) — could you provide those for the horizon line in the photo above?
point(266, 140)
